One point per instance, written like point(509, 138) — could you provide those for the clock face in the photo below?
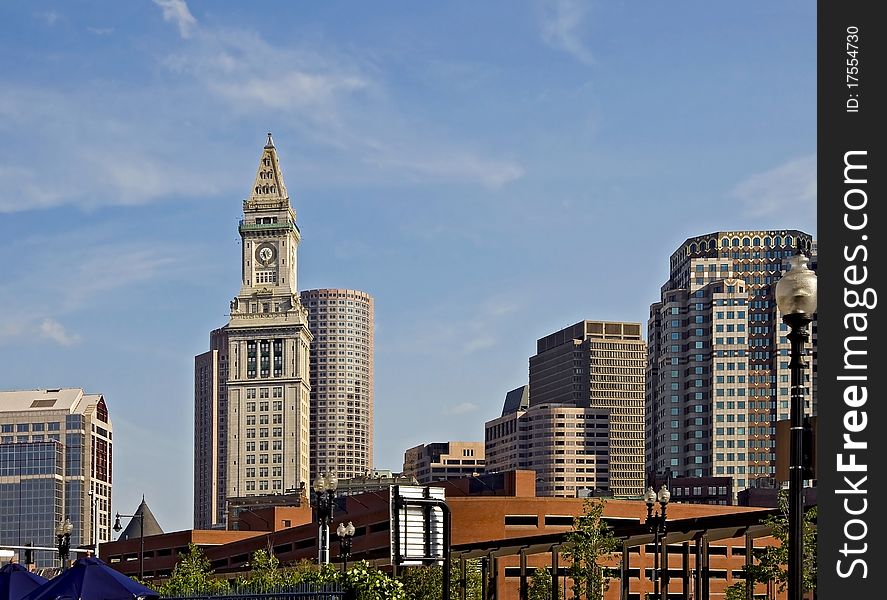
point(265, 254)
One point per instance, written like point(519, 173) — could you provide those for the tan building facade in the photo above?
point(567, 446)
point(718, 374)
point(257, 418)
point(341, 364)
point(585, 375)
point(55, 464)
point(443, 460)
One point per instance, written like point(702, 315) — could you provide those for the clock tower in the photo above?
point(252, 390)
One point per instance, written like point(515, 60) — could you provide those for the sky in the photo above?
point(490, 172)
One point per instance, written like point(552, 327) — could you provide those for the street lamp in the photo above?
point(325, 492)
point(345, 533)
point(118, 527)
point(796, 299)
point(95, 522)
point(63, 531)
point(656, 522)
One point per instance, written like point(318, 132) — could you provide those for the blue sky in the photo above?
point(489, 171)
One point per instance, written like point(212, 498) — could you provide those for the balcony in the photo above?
point(286, 225)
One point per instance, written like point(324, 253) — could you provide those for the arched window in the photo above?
point(735, 242)
point(258, 190)
point(746, 242)
point(692, 247)
point(789, 241)
point(777, 241)
point(725, 243)
point(756, 241)
point(767, 241)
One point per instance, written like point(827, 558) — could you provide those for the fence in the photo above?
point(299, 591)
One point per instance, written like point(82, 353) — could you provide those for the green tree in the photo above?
point(365, 582)
point(540, 584)
point(264, 572)
point(590, 540)
point(192, 575)
point(306, 571)
point(772, 563)
point(426, 583)
point(735, 591)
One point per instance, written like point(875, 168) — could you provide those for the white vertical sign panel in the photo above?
point(417, 532)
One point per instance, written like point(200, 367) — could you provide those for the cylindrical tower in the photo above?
point(341, 381)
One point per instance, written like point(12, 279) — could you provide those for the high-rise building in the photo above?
point(442, 460)
point(565, 444)
point(252, 405)
point(598, 365)
point(341, 322)
point(55, 464)
point(718, 374)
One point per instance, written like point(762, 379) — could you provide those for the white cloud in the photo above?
point(85, 272)
point(463, 408)
point(478, 343)
point(450, 166)
point(56, 332)
point(561, 22)
point(786, 190)
point(100, 30)
point(131, 144)
point(176, 11)
point(49, 17)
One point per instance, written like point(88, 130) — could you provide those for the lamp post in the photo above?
point(656, 522)
point(345, 533)
point(325, 492)
point(118, 527)
point(796, 299)
point(63, 531)
point(95, 522)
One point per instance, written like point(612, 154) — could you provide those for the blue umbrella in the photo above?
point(16, 581)
point(91, 579)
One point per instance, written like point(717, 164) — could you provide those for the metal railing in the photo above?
point(298, 591)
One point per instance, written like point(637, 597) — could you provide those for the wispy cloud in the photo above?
point(561, 27)
point(50, 17)
point(451, 166)
point(177, 12)
point(463, 408)
point(56, 332)
point(133, 143)
point(789, 189)
point(100, 30)
point(84, 272)
point(478, 343)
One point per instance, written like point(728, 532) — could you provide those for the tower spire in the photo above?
point(268, 186)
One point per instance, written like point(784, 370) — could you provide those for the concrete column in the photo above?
point(523, 594)
point(685, 565)
point(555, 578)
point(705, 579)
point(623, 574)
point(749, 561)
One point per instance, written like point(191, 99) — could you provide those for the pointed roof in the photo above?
point(133, 531)
point(269, 185)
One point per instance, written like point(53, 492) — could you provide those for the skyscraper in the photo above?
point(718, 373)
point(252, 405)
point(596, 366)
point(341, 322)
point(55, 464)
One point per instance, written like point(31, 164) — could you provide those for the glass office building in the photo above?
point(55, 464)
